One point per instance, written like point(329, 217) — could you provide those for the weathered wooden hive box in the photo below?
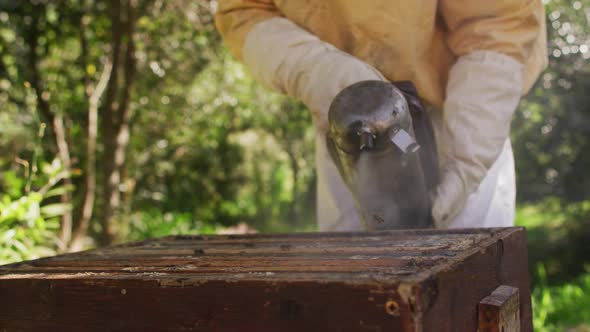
point(385, 281)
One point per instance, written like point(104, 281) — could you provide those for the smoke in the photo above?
point(390, 190)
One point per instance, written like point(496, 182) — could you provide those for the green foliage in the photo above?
point(551, 128)
point(29, 220)
point(558, 234)
point(206, 140)
point(234, 153)
point(561, 308)
point(152, 223)
point(550, 135)
point(559, 259)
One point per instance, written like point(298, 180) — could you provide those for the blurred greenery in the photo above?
point(29, 220)
point(120, 125)
point(559, 262)
point(556, 308)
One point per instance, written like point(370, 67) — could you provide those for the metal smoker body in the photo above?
point(382, 142)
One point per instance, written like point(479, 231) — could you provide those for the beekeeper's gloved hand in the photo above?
point(483, 91)
point(286, 58)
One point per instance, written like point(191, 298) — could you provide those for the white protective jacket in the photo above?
point(470, 61)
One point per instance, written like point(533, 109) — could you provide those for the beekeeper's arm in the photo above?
point(286, 58)
point(492, 40)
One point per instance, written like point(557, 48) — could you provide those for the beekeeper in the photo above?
point(471, 61)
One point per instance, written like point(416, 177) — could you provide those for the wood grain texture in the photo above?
point(421, 280)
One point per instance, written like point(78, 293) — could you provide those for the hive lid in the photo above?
point(384, 257)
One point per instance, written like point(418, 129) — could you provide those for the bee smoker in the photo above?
point(382, 141)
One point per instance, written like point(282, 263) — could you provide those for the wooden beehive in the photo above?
point(424, 280)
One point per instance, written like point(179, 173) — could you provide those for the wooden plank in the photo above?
point(500, 311)
point(351, 251)
point(139, 305)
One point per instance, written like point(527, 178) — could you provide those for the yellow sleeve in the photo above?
point(235, 18)
point(511, 27)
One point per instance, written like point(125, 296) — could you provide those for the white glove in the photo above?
point(483, 91)
point(286, 58)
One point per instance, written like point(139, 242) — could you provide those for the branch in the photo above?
point(33, 43)
point(53, 181)
point(129, 66)
point(113, 84)
point(89, 196)
point(101, 85)
point(110, 131)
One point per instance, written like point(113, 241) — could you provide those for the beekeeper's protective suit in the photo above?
point(471, 61)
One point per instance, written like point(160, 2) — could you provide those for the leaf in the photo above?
point(58, 191)
point(33, 213)
point(20, 247)
point(4, 238)
point(35, 197)
point(57, 209)
point(13, 184)
point(52, 168)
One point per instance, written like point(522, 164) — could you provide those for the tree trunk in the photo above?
point(56, 121)
point(293, 211)
point(94, 95)
point(117, 112)
point(65, 231)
